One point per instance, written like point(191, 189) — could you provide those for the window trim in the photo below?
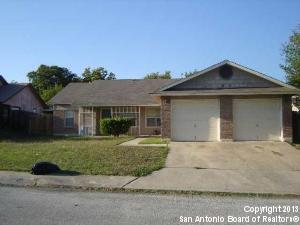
point(152, 117)
point(65, 118)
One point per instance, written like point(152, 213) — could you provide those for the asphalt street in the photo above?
point(22, 206)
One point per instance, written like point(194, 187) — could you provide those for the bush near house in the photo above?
point(115, 126)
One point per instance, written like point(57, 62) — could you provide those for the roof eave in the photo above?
point(217, 65)
point(224, 93)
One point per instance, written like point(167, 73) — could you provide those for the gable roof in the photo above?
point(9, 90)
point(2, 81)
point(233, 91)
point(129, 92)
point(233, 64)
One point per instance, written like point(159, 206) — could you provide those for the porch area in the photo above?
point(145, 119)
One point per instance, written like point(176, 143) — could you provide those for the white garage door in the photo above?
point(257, 119)
point(195, 120)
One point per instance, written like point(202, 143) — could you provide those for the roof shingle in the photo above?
point(9, 90)
point(110, 92)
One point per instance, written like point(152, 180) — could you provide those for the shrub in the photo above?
point(115, 126)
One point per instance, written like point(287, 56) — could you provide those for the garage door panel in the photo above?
point(257, 119)
point(195, 120)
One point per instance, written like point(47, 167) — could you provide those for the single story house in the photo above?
point(224, 102)
point(20, 96)
point(17, 97)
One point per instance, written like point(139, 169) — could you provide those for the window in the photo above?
point(34, 110)
point(15, 108)
point(129, 112)
point(105, 113)
point(152, 117)
point(69, 119)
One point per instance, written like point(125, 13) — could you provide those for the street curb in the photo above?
point(153, 191)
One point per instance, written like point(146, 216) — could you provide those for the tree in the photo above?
point(291, 52)
point(46, 78)
point(188, 74)
point(47, 94)
point(99, 73)
point(157, 75)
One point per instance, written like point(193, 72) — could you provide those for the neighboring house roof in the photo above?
point(227, 62)
point(110, 93)
point(2, 81)
point(9, 90)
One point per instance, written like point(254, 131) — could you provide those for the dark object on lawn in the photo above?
point(42, 168)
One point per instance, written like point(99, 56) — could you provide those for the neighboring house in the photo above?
point(224, 102)
point(19, 97)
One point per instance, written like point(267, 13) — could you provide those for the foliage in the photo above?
point(99, 73)
point(291, 52)
point(47, 94)
point(157, 75)
point(49, 80)
point(47, 77)
point(115, 126)
point(188, 74)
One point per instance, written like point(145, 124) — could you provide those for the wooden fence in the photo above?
point(296, 127)
point(26, 122)
point(40, 124)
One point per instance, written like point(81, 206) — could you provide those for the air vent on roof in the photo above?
point(226, 72)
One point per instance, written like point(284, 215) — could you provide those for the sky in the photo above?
point(133, 38)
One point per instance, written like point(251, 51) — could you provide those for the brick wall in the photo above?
point(147, 130)
point(59, 123)
point(287, 118)
point(165, 116)
point(226, 118)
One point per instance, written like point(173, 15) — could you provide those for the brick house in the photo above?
point(224, 102)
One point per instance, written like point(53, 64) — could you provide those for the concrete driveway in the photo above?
point(246, 167)
point(234, 156)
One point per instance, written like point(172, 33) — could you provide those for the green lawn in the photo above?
point(83, 155)
point(154, 140)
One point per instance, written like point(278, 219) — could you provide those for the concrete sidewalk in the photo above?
point(81, 181)
point(136, 141)
point(169, 179)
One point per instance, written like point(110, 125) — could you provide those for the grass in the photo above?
point(82, 155)
point(154, 140)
